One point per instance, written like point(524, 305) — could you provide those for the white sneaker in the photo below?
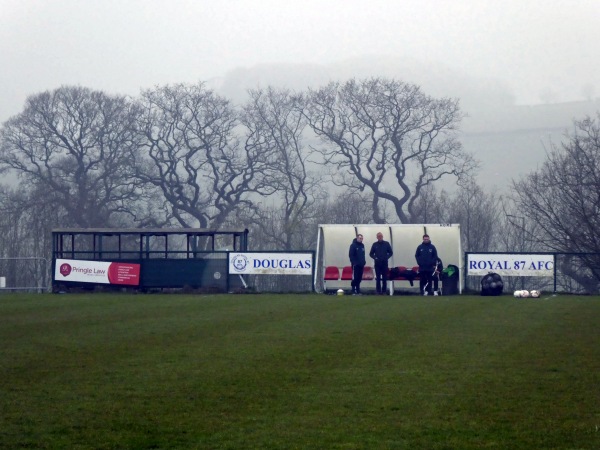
point(425, 293)
point(436, 293)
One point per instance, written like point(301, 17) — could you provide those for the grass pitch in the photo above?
point(299, 372)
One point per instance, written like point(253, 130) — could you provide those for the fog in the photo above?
point(542, 50)
point(516, 52)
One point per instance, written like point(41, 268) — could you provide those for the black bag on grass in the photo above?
point(491, 284)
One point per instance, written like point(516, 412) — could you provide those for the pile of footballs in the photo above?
point(525, 293)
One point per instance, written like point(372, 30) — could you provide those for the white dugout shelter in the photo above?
point(333, 243)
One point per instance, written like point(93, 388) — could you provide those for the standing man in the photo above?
point(357, 261)
point(381, 251)
point(426, 256)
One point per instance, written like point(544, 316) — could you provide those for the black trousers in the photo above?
point(426, 280)
point(381, 276)
point(357, 273)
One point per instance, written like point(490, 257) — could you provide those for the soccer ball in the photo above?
point(517, 294)
point(524, 293)
point(340, 292)
point(535, 294)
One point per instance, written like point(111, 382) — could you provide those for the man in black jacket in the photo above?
point(381, 251)
point(426, 256)
point(357, 261)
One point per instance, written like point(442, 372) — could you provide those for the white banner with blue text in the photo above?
point(271, 263)
point(517, 265)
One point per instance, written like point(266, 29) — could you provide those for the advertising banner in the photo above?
point(97, 272)
point(271, 263)
point(530, 265)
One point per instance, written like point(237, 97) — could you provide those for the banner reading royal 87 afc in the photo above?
point(97, 272)
point(511, 264)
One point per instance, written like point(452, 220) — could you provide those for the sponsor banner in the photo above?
point(97, 272)
point(271, 263)
point(511, 265)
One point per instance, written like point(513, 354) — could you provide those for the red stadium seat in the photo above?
point(347, 273)
point(368, 273)
point(332, 273)
point(416, 270)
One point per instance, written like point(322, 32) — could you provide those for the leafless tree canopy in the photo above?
point(276, 123)
point(388, 137)
point(479, 215)
point(197, 154)
point(184, 154)
point(79, 147)
point(563, 196)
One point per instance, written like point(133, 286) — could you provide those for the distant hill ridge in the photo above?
point(510, 140)
point(489, 103)
point(515, 118)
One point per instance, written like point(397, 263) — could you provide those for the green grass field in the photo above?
point(299, 372)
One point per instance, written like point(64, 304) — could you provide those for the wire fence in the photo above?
point(24, 274)
point(574, 273)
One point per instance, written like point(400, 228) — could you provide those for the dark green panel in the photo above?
point(176, 273)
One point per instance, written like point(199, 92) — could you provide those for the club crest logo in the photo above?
point(239, 262)
point(65, 269)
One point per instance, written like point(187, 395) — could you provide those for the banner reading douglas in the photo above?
point(531, 265)
point(271, 263)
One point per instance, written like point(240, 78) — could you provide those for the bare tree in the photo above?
point(26, 221)
point(389, 138)
point(345, 208)
point(431, 206)
point(276, 123)
point(479, 214)
point(563, 196)
point(79, 147)
point(194, 155)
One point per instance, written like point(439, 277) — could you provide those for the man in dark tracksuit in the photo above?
point(381, 251)
point(426, 256)
point(357, 261)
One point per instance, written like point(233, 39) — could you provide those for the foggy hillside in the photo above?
point(510, 140)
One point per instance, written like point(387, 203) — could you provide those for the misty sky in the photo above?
point(121, 46)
